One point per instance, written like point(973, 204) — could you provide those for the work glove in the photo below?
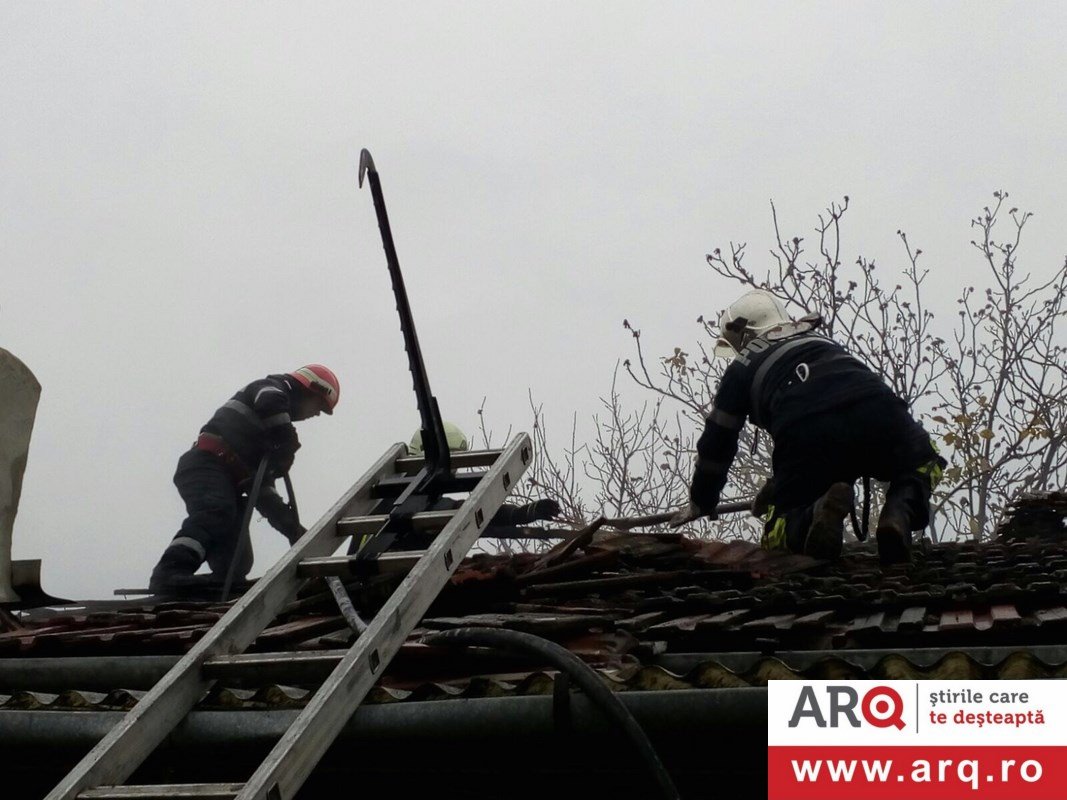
point(705, 487)
point(282, 447)
point(286, 523)
point(293, 531)
point(764, 498)
point(689, 514)
point(279, 514)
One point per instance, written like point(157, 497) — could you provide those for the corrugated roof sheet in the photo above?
point(634, 677)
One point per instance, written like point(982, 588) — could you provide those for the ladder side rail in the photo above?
point(316, 727)
point(128, 744)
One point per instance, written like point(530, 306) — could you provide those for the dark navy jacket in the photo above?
point(256, 419)
point(776, 380)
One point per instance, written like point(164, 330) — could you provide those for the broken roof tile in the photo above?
point(1051, 616)
point(956, 620)
point(635, 594)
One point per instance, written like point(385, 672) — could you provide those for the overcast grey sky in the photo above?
point(180, 212)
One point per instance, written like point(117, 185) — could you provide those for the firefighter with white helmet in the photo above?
point(760, 311)
point(456, 439)
point(215, 475)
point(832, 420)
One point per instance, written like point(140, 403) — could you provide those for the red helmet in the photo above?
point(321, 382)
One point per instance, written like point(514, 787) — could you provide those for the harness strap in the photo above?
point(216, 445)
point(862, 530)
point(765, 367)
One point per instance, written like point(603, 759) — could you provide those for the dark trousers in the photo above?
point(214, 506)
point(875, 437)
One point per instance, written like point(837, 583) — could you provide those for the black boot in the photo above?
point(174, 570)
point(906, 509)
point(764, 499)
point(894, 535)
point(827, 532)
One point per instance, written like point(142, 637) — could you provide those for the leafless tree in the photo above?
point(1002, 407)
point(991, 389)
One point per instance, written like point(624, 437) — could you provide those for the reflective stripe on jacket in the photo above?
point(256, 418)
point(775, 383)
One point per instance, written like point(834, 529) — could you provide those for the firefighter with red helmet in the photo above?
point(215, 475)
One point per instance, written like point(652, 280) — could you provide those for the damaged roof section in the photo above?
point(1042, 516)
point(635, 592)
point(635, 606)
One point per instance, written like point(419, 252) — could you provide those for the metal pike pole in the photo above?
point(243, 539)
point(628, 523)
point(583, 537)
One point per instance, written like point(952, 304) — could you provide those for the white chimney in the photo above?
point(19, 392)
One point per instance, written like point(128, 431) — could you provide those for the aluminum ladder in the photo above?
point(102, 771)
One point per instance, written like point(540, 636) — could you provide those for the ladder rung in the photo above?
point(345, 566)
point(474, 458)
point(362, 526)
point(274, 667)
point(393, 486)
point(168, 791)
point(119, 753)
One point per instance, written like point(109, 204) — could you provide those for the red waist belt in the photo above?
point(210, 443)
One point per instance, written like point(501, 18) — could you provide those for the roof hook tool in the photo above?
point(433, 478)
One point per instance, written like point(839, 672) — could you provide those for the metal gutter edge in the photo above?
point(104, 673)
point(87, 673)
point(674, 713)
point(681, 663)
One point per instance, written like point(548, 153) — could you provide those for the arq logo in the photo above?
point(880, 706)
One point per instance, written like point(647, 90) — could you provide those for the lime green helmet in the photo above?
point(457, 440)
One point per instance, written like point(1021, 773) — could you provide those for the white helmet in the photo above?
point(457, 440)
point(752, 314)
